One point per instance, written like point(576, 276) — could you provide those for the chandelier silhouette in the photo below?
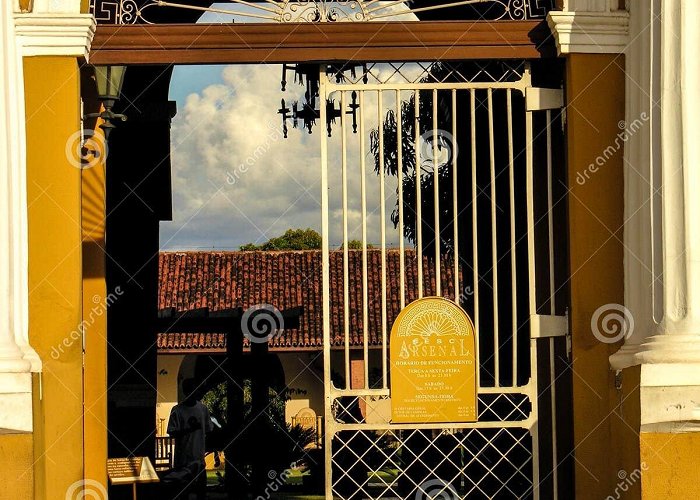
point(307, 112)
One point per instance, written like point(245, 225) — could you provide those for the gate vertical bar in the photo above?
point(494, 244)
point(475, 240)
point(363, 208)
point(419, 215)
point(455, 206)
point(529, 181)
point(513, 278)
point(325, 278)
point(382, 217)
point(552, 303)
point(346, 285)
point(399, 188)
point(436, 196)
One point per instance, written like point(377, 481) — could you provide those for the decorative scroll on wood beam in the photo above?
point(316, 11)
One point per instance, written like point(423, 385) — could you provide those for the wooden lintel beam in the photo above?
point(308, 42)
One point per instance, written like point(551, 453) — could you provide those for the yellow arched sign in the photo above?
point(433, 363)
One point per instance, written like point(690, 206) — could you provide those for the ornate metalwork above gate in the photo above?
point(317, 11)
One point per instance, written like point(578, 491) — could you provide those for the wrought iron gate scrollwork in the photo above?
point(318, 11)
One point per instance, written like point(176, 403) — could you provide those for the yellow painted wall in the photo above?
point(55, 300)
point(168, 384)
point(16, 469)
point(605, 437)
point(95, 305)
point(670, 465)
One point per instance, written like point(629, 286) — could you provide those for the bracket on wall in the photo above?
point(541, 99)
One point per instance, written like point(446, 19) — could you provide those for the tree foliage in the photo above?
point(298, 239)
point(292, 239)
point(421, 173)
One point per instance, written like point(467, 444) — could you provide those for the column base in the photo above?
point(670, 397)
point(15, 402)
point(30, 355)
point(13, 361)
point(625, 357)
point(667, 348)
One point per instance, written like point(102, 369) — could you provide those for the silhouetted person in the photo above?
point(189, 423)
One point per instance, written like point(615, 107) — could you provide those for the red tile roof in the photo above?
point(287, 279)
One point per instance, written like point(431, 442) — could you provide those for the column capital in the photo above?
point(52, 34)
point(586, 28)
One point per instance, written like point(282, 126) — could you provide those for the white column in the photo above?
point(677, 338)
point(662, 210)
point(15, 379)
point(662, 192)
point(643, 201)
point(54, 27)
point(662, 235)
point(12, 212)
point(599, 27)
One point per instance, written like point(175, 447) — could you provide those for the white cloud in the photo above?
point(233, 174)
point(236, 180)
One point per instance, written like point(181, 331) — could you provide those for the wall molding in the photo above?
point(590, 32)
point(55, 34)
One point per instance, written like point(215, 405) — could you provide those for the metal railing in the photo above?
point(165, 453)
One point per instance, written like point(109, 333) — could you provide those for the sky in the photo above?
point(236, 180)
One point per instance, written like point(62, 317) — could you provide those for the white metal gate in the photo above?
point(449, 175)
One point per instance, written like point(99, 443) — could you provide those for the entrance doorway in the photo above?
point(446, 173)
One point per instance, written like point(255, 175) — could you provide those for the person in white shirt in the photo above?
point(189, 423)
